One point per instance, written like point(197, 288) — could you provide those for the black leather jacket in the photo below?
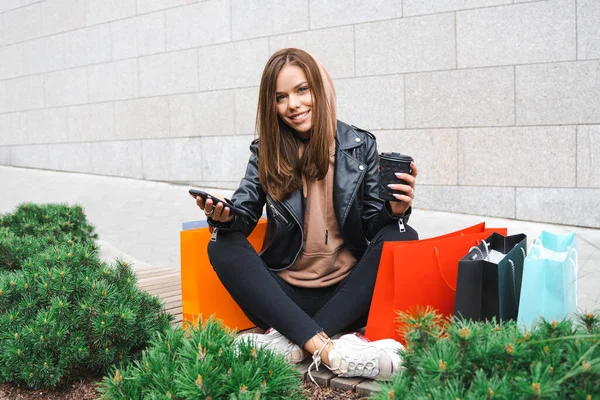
point(359, 210)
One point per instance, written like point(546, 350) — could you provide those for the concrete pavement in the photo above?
point(141, 220)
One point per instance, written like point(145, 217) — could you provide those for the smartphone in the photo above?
point(233, 209)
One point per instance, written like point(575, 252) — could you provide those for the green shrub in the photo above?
point(33, 227)
point(485, 360)
point(204, 363)
point(62, 310)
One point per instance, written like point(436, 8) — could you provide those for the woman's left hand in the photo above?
point(407, 195)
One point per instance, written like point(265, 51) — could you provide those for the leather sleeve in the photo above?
point(249, 196)
point(375, 214)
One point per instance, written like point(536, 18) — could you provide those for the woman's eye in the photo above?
point(279, 98)
point(302, 89)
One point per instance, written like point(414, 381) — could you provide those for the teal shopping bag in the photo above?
point(549, 286)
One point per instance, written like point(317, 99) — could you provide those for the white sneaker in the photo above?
point(353, 355)
point(277, 343)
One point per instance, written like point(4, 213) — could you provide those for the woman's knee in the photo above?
point(227, 248)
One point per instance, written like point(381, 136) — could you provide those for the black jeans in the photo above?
point(299, 313)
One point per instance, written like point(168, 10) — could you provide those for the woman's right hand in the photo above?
point(219, 212)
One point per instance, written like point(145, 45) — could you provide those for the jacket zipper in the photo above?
point(276, 212)
point(401, 226)
point(213, 236)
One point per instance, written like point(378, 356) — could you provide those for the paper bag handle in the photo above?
point(514, 280)
point(439, 265)
point(483, 256)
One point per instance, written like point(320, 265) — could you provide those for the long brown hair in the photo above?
point(280, 167)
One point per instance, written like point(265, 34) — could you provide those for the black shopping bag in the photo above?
point(489, 278)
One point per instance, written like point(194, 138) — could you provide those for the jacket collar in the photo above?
point(347, 137)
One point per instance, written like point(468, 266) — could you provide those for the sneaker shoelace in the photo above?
point(317, 360)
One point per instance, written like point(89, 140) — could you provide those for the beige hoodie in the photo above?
point(323, 260)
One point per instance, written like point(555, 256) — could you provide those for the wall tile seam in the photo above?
point(85, 9)
point(249, 137)
point(348, 77)
point(164, 26)
point(141, 148)
point(576, 31)
point(11, 9)
point(139, 139)
point(79, 172)
point(114, 125)
point(404, 16)
point(23, 43)
point(458, 128)
point(473, 68)
point(355, 24)
point(455, 40)
point(113, 59)
point(457, 154)
point(358, 24)
point(515, 95)
point(459, 186)
point(353, 48)
point(138, 75)
point(187, 182)
point(19, 7)
point(93, 25)
point(577, 157)
point(374, 129)
point(230, 19)
point(515, 196)
point(87, 82)
point(235, 128)
point(529, 63)
point(255, 86)
point(44, 89)
point(404, 96)
point(308, 15)
point(126, 99)
point(460, 10)
point(166, 9)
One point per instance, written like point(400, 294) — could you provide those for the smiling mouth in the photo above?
point(299, 117)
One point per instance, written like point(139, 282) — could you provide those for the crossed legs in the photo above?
point(305, 316)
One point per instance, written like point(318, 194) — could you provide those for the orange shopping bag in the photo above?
point(202, 293)
point(410, 276)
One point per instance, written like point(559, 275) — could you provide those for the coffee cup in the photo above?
point(389, 165)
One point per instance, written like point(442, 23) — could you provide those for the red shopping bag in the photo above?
point(419, 273)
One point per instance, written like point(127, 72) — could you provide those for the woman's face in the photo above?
point(294, 99)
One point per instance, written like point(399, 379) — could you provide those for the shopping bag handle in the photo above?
point(514, 279)
point(573, 250)
point(483, 256)
point(542, 251)
point(439, 265)
point(575, 262)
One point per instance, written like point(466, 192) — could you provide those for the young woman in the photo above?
point(317, 176)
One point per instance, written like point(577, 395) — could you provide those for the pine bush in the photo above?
point(63, 311)
point(203, 363)
point(458, 359)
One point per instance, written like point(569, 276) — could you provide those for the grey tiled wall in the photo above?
point(497, 100)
